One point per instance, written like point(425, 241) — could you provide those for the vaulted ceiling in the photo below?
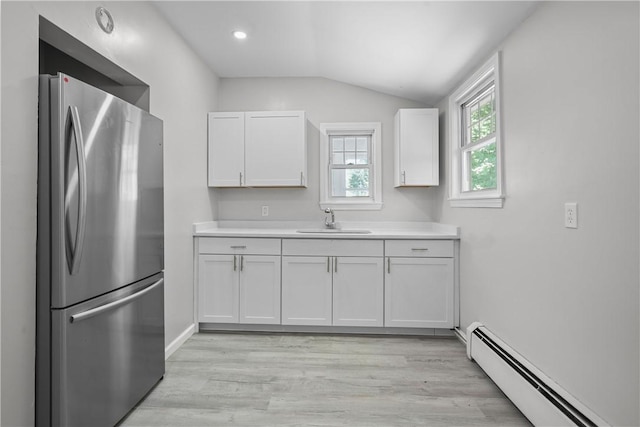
point(417, 50)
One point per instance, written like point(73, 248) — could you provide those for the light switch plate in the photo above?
point(571, 215)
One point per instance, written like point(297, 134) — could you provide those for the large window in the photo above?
point(350, 159)
point(476, 167)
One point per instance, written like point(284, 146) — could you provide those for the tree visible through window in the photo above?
point(479, 141)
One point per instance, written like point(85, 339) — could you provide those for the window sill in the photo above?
point(492, 202)
point(351, 206)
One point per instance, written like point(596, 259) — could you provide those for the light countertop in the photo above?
point(290, 229)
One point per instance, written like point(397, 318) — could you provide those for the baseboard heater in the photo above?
point(538, 397)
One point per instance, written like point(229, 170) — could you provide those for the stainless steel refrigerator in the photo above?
point(100, 255)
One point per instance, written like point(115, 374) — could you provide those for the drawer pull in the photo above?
point(235, 265)
point(335, 266)
point(388, 265)
point(238, 247)
point(328, 268)
point(241, 262)
point(419, 249)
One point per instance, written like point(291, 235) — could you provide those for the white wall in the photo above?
point(183, 89)
point(566, 299)
point(324, 101)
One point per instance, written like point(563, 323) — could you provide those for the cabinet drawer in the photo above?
point(419, 248)
point(329, 247)
point(235, 245)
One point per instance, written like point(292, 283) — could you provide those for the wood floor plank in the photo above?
point(223, 379)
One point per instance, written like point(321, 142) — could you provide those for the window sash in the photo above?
point(344, 151)
point(467, 173)
point(466, 111)
point(350, 166)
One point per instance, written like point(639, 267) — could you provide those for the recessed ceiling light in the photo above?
point(240, 35)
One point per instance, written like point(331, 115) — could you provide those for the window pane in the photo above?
point(361, 144)
point(350, 143)
point(350, 158)
point(479, 117)
point(350, 182)
point(474, 113)
point(337, 144)
point(487, 126)
point(480, 168)
point(485, 107)
point(338, 158)
point(362, 158)
point(475, 132)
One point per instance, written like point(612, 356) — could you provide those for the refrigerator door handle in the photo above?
point(74, 255)
point(113, 305)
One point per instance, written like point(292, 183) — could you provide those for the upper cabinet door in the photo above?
point(276, 149)
point(416, 147)
point(226, 149)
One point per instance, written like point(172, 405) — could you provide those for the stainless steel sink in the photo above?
point(333, 231)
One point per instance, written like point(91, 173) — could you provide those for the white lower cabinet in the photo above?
point(419, 289)
point(327, 282)
point(260, 289)
point(239, 288)
point(306, 290)
point(218, 281)
point(339, 291)
point(358, 291)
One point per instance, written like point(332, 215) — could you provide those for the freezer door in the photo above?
point(106, 192)
point(106, 355)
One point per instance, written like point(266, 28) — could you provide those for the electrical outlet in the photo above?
point(265, 211)
point(571, 215)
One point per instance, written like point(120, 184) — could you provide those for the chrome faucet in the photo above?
point(331, 224)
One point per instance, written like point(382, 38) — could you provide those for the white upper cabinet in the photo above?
point(416, 147)
point(275, 149)
point(226, 149)
point(258, 149)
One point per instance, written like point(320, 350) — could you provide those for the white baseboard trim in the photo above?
point(460, 335)
point(364, 330)
point(175, 344)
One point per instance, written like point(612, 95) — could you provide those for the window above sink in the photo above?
point(350, 166)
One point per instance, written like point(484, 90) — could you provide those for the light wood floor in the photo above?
point(319, 380)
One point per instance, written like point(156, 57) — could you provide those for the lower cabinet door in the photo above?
point(218, 296)
point(260, 289)
point(419, 292)
point(358, 291)
point(306, 290)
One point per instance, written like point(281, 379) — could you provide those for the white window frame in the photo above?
point(489, 198)
point(374, 201)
